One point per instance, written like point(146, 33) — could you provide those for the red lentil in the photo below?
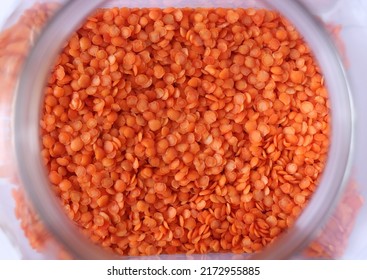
point(188, 131)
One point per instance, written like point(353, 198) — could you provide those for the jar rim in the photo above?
point(27, 142)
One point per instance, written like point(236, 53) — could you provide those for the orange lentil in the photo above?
point(154, 125)
point(173, 114)
point(306, 107)
point(309, 170)
point(126, 32)
point(65, 185)
point(76, 144)
point(255, 136)
point(232, 16)
point(171, 212)
point(297, 77)
point(210, 117)
point(160, 187)
point(158, 71)
point(291, 168)
point(163, 128)
point(267, 59)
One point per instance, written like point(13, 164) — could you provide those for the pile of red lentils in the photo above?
point(170, 131)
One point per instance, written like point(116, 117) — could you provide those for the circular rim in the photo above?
point(33, 176)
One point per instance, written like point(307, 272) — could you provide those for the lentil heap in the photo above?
point(185, 130)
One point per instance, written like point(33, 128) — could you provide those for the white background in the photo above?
point(6, 249)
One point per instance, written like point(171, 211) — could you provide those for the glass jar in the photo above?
point(324, 227)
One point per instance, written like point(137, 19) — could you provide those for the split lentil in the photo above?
point(185, 130)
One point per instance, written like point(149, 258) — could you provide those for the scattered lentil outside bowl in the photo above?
point(184, 130)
